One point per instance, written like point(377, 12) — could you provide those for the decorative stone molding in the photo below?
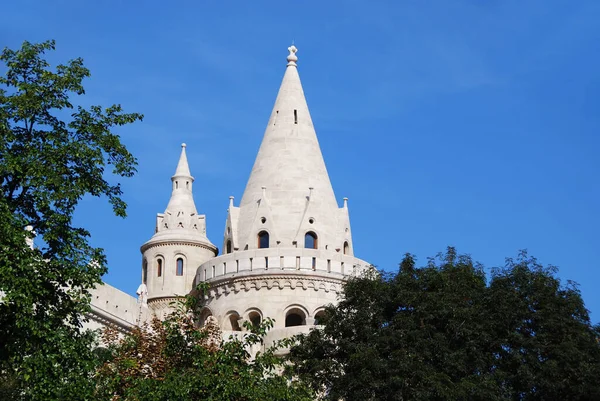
point(280, 282)
point(159, 304)
point(157, 244)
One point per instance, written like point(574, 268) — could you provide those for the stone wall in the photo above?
point(113, 307)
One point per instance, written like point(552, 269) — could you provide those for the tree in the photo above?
point(175, 360)
point(52, 153)
point(441, 332)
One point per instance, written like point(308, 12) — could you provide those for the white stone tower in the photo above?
point(288, 246)
point(179, 245)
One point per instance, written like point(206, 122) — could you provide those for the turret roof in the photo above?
point(289, 176)
point(181, 221)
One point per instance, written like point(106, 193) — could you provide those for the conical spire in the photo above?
point(182, 200)
point(289, 176)
point(181, 221)
point(183, 169)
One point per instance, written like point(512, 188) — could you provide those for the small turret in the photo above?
point(179, 244)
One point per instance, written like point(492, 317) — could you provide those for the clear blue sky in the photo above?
point(467, 123)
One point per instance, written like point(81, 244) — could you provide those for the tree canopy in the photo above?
point(176, 360)
point(443, 332)
point(52, 154)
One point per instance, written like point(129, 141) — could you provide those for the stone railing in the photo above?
point(279, 260)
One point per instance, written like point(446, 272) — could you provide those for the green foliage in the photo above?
point(441, 332)
point(174, 360)
point(52, 153)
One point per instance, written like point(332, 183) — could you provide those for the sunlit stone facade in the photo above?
point(287, 248)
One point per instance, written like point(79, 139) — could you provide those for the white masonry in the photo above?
point(287, 248)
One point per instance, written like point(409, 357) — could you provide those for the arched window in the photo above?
point(310, 240)
point(263, 239)
point(295, 317)
point(145, 271)
point(231, 322)
point(179, 270)
point(254, 318)
point(319, 317)
point(204, 314)
point(159, 266)
point(346, 248)
point(228, 246)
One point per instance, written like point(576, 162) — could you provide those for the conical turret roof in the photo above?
point(289, 180)
point(183, 168)
point(182, 199)
point(181, 221)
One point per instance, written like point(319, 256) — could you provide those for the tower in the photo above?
point(179, 245)
point(288, 246)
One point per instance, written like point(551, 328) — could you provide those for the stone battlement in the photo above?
point(275, 260)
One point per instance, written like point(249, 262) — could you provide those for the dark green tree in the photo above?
point(441, 332)
point(52, 154)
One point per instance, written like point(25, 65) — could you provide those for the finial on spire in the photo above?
point(292, 58)
point(183, 170)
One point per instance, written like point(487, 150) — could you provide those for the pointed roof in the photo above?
point(182, 199)
point(289, 173)
point(183, 169)
point(181, 221)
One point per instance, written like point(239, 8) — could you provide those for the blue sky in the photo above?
point(467, 123)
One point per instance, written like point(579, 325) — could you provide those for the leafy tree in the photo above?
point(174, 360)
point(441, 332)
point(52, 154)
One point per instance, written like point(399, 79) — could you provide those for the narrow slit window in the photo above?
point(328, 265)
point(224, 268)
point(228, 246)
point(179, 271)
point(266, 262)
point(346, 248)
point(237, 266)
point(214, 270)
point(145, 272)
point(295, 116)
point(314, 263)
point(159, 266)
point(297, 262)
point(250, 264)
